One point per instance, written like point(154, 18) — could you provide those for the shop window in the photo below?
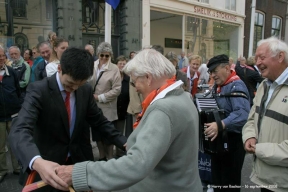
point(19, 8)
point(258, 29)
point(276, 26)
point(204, 1)
point(204, 27)
point(49, 9)
point(230, 5)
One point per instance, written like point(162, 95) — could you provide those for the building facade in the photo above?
point(202, 27)
point(26, 23)
point(270, 20)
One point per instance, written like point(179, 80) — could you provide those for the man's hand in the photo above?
point(250, 145)
point(96, 97)
point(65, 173)
point(46, 170)
point(211, 130)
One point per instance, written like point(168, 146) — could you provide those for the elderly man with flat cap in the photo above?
point(226, 166)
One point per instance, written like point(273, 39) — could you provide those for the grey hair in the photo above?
point(150, 61)
point(42, 44)
point(275, 46)
point(172, 56)
point(146, 47)
point(14, 47)
point(251, 60)
point(90, 47)
point(104, 47)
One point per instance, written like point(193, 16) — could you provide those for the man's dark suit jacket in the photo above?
point(41, 127)
point(40, 71)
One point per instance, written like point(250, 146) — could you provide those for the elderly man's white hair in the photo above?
point(90, 48)
point(276, 46)
point(14, 47)
point(150, 61)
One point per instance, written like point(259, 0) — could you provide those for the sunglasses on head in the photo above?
point(102, 55)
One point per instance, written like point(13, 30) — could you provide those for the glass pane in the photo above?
point(272, 32)
point(204, 26)
point(257, 36)
point(279, 24)
point(274, 22)
point(224, 39)
point(227, 4)
point(261, 18)
point(256, 18)
point(233, 5)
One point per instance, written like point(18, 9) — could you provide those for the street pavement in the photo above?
point(10, 184)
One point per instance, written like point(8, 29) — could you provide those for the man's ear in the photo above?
point(59, 68)
point(281, 57)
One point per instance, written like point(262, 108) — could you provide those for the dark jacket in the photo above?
point(123, 99)
point(9, 95)
point(40, 71)
point(250, 78)
point(42, 126)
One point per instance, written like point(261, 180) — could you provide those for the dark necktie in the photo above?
point(67, 105)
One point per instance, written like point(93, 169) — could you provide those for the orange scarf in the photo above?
point(150, 98)
point(231, 78)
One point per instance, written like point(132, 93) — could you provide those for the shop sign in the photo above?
point(214, 13)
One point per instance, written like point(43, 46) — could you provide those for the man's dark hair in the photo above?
point(78, 63)
point(158, 48)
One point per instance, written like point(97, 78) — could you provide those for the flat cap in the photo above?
point(217, 60)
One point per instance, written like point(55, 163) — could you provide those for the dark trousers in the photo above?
point(226, 168)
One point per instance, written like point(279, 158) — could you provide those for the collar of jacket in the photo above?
point(6, 70)
point(106, 68)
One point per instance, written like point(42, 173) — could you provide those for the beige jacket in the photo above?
point(107, 89)
point(270, 167)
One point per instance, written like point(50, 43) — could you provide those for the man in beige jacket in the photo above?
point(265, 134)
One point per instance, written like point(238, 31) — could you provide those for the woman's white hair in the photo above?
point(275, 45)
point(150, 61)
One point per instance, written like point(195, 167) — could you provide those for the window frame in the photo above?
point(228, 7)
point(280, 26)
point(204, 1)
point(19, 5)
point(256, 26)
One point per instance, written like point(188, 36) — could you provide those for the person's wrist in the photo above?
point(36, 163)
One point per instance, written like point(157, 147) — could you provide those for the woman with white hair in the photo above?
point(106, 84)
point(162, 151)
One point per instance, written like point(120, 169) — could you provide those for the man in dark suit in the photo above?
point(51, 126)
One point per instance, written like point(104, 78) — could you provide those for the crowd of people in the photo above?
point(55, 96)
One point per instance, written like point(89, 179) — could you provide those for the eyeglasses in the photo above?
point(107, 56)
point(132, 83)
point(34, 53)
